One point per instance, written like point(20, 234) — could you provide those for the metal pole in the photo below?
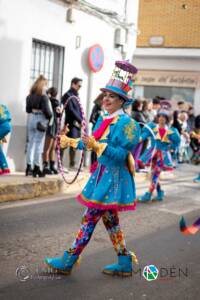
point(126, 30)
point(88, 111)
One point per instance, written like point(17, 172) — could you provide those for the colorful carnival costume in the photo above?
point(5, 128)
point(159, 156)
point(195, 145)
point(111, 187)
point(197, 179)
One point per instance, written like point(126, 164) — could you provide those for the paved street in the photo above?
point(32, 229)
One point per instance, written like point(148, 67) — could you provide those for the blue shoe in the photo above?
point(123, 268)
point(197, 179)
point(145, 198)
point(160, 196)
point(62, 264)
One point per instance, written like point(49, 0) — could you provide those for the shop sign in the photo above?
point(168, 78)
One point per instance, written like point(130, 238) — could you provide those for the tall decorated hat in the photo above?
point(121, 81)
point(165, 109)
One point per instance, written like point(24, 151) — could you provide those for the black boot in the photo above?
point(46, 169)
point(72, 154)
point(53, 168)
point(29, 170)
point(38, 172)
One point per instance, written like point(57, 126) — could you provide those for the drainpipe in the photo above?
point(124, 52)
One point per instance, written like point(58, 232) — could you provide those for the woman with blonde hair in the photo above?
point(38, 106)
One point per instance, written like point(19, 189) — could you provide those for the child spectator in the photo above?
point(185, 138)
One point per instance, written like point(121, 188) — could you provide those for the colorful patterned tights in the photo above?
point(90, 219)
point(155, 180)
point(155, 173)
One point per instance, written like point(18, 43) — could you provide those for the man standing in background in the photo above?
point(156, 105)
point(73, 116)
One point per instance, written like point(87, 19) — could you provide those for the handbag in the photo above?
point(42, 127)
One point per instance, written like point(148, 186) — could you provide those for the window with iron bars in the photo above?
point(47, 60)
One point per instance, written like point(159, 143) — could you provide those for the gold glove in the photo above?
point(96, 146)
point(65, 142)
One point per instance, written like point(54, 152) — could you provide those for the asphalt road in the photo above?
point(30, 230)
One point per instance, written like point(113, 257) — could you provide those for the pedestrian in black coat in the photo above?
point(73, 115)
point(49, 153)
point(96, 112)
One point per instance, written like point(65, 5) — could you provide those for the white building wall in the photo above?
point(23, 20)
point(172, 64)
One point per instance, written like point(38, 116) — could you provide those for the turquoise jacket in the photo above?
point(112, 186)
point(5, 118)
point(170, 141)
point(4, 114)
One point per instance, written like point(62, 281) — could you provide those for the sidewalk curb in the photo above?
point(18, 187)
point(13, 191)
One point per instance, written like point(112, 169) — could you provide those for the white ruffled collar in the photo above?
point(116, 113)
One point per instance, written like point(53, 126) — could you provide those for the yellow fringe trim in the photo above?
point(96, 146)
point(134, 257)
point(78, 262)
point(65, 142)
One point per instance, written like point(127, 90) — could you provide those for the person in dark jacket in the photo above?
point(50, 140)
point(137, 114)
point(191, 118)
point(73, 115)
point(195, 142)
point(176, 122)
point(96, 112)
point(39, 109)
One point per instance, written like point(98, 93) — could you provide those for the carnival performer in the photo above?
point(195, 141)
point(111, 187)
point(197, 179)
point(5, 128)
point(159, 158)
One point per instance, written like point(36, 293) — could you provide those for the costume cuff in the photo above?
point(65, 142)
point(96, 146)
point(74, 143)
point(100, 148)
